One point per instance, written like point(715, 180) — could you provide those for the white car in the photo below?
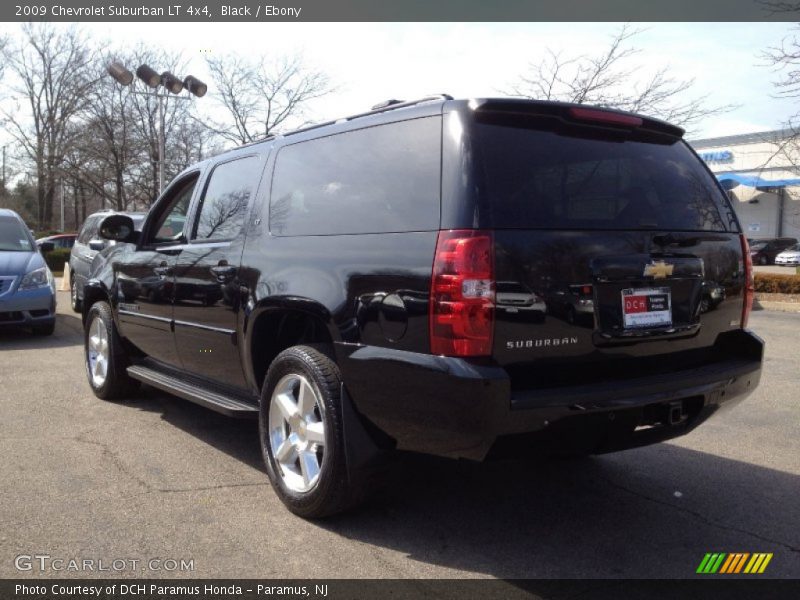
point(790, 256)
point(514, 297)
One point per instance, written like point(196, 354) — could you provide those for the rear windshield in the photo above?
point(537, 179)
point(13, 237)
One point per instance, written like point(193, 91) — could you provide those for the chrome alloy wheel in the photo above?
point(297, 432)
point(73, 295)
point(97, 352)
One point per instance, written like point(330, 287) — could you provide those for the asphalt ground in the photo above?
point(160, 478)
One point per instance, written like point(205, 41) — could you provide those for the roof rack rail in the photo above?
point(378, 108)
point(394, 104)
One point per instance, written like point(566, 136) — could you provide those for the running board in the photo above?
point(227, 405)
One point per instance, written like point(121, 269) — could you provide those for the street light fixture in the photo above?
point(195, 86)
point(170, 83)
point(118, 71)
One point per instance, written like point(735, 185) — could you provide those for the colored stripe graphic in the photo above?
point(728, 564)
point(711, 562)
point(758, 563)
point(735, 562)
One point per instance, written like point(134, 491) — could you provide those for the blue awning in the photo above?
point(731, 180)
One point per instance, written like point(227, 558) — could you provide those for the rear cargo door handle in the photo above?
point(223, 272)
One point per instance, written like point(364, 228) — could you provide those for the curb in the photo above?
point(790, 307)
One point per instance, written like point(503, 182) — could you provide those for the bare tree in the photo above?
point(610, 79)
point(53, 71)
point(261, 97)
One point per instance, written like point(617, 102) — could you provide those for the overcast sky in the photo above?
point(371, 62)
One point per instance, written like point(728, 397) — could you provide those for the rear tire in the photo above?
point(301, 434)
point(105, 358)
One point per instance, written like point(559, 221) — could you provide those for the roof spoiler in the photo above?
point(579, 114)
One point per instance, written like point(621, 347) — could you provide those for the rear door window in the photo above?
point(536, 179)
point(375, 180)
point(226, 198)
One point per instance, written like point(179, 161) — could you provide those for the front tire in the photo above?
point(105, 358)
point(75, 302)
point(300, 428)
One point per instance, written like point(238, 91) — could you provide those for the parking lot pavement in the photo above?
point(158, 477)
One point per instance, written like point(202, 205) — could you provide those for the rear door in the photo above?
point(207, 294)
point(624, 234)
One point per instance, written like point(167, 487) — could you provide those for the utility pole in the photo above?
point(62, 206)
point(4, 169)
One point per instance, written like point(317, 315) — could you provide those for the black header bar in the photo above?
point(399, 10)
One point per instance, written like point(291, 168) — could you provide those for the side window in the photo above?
point(375, 180)
point(168, 221)
point(88, 231)
point(225, 200)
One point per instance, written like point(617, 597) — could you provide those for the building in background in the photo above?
point(762, 173)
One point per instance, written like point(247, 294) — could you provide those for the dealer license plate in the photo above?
point(647, 307)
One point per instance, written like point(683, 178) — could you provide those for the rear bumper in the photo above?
point(452, 407)
point(28, 307)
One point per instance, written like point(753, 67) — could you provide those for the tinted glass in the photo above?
point(13, 237)
point(226, 199)
point(545, 179)
point(374, 180)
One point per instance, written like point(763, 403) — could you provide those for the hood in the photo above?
point(19, 263)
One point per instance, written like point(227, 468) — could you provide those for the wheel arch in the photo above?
point(93, 291)
point(273, 329)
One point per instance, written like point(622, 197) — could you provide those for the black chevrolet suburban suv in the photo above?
point(339, 284)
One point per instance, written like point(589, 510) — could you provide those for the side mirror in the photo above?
point(97, 245)
point(46, 247)
point(117, 228)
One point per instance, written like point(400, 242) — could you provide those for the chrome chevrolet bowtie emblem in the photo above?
point(658, 270)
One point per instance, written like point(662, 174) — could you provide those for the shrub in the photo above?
point(56, 259)
point(777, 284)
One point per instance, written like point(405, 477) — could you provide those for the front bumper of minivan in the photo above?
point(458, 408)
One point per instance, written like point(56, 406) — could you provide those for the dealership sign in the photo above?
point(717, 156)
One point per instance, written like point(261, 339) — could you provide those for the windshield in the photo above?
point(541, 179)
point(13, 237)
point(758, 246)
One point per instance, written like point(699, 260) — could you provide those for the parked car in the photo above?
point(764, 252)
point(27, 287)
point(358, 265)
point(790, 256)
point(60, 240)
point(84, 250)
point(573, 302)
point(514, 297)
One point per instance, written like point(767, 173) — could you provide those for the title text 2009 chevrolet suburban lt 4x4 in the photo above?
point(340, 283)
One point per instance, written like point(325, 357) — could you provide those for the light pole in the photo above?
point(162, 86)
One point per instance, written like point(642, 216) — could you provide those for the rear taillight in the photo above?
point(462, 294)
point(749, 284)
